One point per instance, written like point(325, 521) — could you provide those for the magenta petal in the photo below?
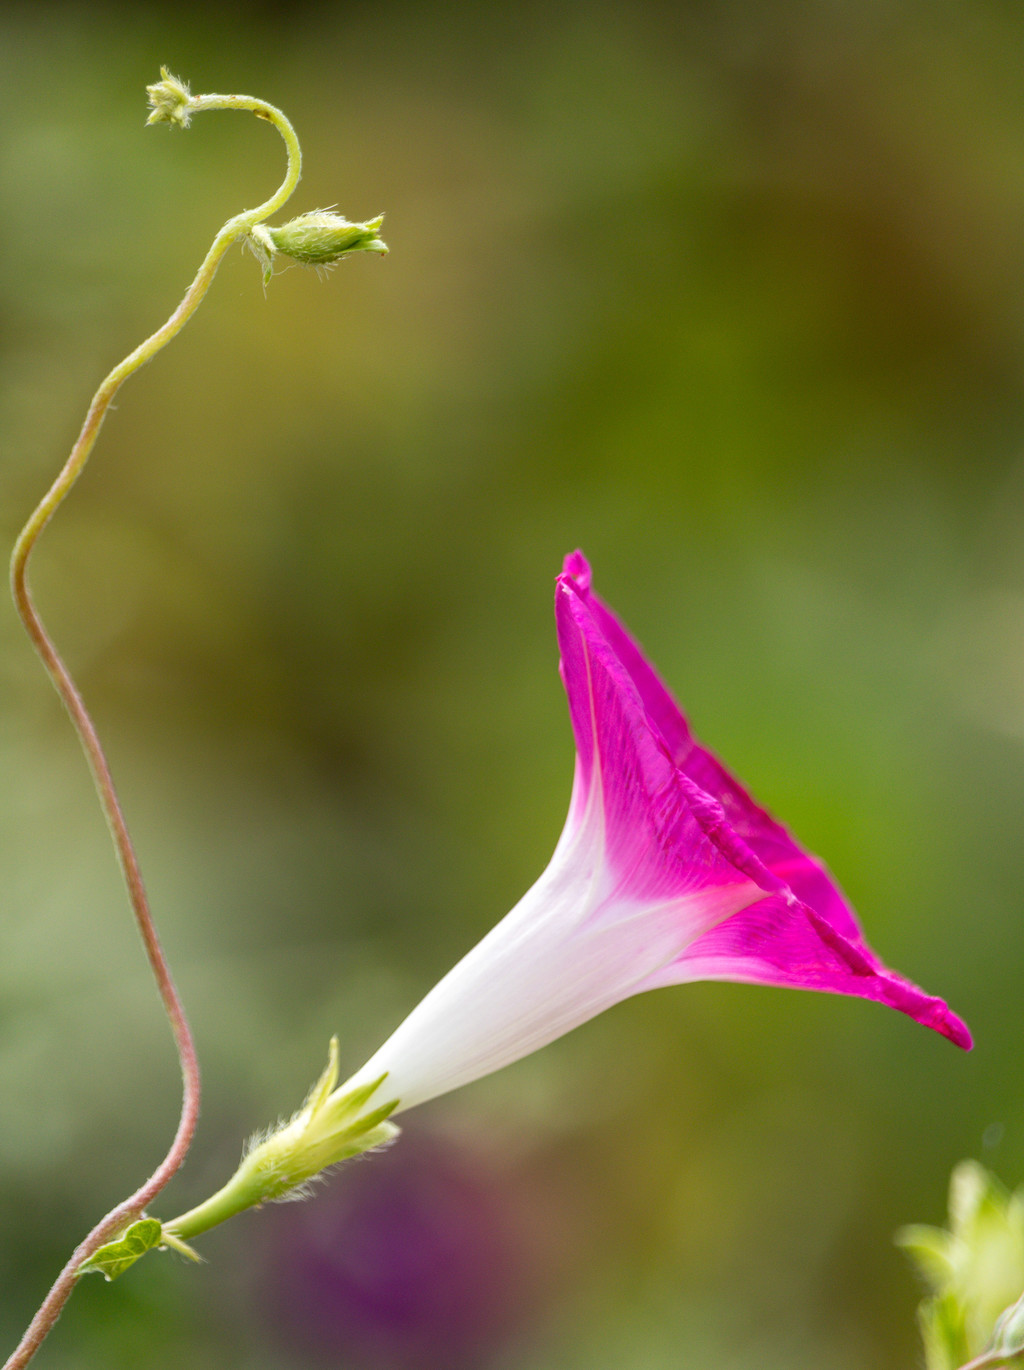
point(762, 843)
point(666, 871)
point(775, 943)
point(677, 819)
point(664, 837)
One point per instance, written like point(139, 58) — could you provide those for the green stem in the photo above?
point(236, 1196)
point(132, 1207)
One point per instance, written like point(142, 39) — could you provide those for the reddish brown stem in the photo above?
point(132, 1207)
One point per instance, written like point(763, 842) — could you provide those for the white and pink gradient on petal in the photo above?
point(666, 871)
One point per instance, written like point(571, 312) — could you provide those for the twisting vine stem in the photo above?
point(173, 103)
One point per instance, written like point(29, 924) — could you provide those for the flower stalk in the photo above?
point(171, 102)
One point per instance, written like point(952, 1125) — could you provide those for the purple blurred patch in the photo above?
point(412, 1260)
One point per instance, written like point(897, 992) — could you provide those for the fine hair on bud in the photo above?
point(320, 238)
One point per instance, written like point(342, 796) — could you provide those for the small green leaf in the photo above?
point(114, 1258)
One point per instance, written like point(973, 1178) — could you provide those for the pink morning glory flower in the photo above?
point(666, 871)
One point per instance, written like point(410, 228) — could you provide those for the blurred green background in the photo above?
point(731, 295)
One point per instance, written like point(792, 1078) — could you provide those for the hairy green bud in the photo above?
point(318, 239)
point(169, 100)
point(331, 1126)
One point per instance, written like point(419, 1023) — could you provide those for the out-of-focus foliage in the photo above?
point(975, 1270)
point(731, 295)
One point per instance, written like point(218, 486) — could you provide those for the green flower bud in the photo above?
point(318, 239)
point(331, 1126)
point(169, 100)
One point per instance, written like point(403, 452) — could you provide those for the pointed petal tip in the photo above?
point(931, 1013)
point(576, 568)
point(954, 1028)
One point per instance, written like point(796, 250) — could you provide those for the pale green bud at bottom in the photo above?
point(1008, 1337)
